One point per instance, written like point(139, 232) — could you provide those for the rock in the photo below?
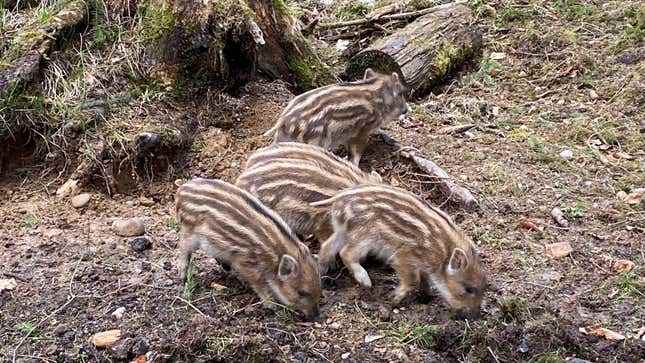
point(566, 154)
point(621, 195)
point(106, 339)
point(558, 216)
point(550, 276)
point(217, 287)
point(140, 244)
point(334, 326)
point(345, 355)
point(7, 284)
point(69, 188)
point(371, 338)
point(80, 200)
point(497, 55)
point(129, 227)
point(146, 202)
point(593, 94)
point(118, 313)
point(140, 346)
point(60, 330)
point(559, 249)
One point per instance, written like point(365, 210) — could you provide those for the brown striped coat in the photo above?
point(342, 114)
point(419, 241)
point(289, 176)
point(236, 228)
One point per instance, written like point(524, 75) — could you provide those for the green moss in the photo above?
point(158, 21)
point(352, 11)
point(280, 6)
point(309, 72)
point(445, 57)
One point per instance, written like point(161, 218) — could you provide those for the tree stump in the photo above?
point(232, 39)
point(425, 51)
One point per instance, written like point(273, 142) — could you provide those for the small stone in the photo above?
point(140, 244)
point(129, 203)
point(118, 313)
point(559, 249)
point(53, 232)
point(622, 266)
point(217, 287)
point(106, 338)
point(621, 195)
point(593, 94)
point(80, 200)
point(371, 338)
point(497, 55)
point(334, 326)
point(129, 227)
point(146, 202)
point(566, 154)
point(345, 355)
point(8, 284)
point(60, 330)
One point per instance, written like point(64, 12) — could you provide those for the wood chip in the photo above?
point(601, 332)
point(106, 339)
point(559, 249)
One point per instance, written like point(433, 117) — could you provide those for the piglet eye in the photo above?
point(470, 290)
point(303, 293)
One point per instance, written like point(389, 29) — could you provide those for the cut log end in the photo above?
point(377, 60)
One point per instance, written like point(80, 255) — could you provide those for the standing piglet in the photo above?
point(288, 176)
point(342, 114)
point(234, 227)
point(419, 241)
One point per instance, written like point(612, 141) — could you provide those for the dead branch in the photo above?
point(457, 129)
point(446, 184)
point(385, 18)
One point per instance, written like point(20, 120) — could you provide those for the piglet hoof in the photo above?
point(363, 279)
point(398, 297)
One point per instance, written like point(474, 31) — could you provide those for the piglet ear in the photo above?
point(395, 77)
point(287, 267)
point(369, 73)
point(458, 261)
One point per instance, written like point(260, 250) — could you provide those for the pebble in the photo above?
point(146, 202)
point(345, 355)
point(566, 154)
point(118, 313)
point(140, 244)
point(80, 200)
point(593, 94)
point(335, 325)
point(370, 338)
point(106, 338)
point(559, 249)
point(129, 227)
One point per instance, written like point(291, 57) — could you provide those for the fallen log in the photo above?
point(424, 52)
point(19, 65)
point(447, 185)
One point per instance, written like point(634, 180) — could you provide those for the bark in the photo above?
point(424, 52)
point(233, 39)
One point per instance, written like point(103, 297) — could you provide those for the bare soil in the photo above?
point(549, 80)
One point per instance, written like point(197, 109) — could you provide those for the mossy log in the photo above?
point(21, 62)
point(425, 51)
point(234, 39)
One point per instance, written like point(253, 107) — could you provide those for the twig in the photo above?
point(411, 14)
point(193, 307)
point(15, 350)
point(493, 354)
point(457, 129)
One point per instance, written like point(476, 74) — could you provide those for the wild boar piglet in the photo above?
point(288, 176)
point(342, 114)
point(419, 241)
point(234, 227)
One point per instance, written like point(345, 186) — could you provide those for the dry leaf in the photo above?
point(601, 332)
point(560, 249)
point(529, 225)
point(623, 155)
point(370, 338)
point(635, 197)
point(139, 359)
point(8, 284)
point(106, 339)
point(622, 266)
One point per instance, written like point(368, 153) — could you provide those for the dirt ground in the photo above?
point(554, 76)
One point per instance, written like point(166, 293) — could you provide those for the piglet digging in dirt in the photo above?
point(234, 227)
point(419, 241)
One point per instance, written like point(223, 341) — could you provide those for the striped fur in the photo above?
point(236, 228)
point(289, 176)
point(342, 114)
point(419, 241)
